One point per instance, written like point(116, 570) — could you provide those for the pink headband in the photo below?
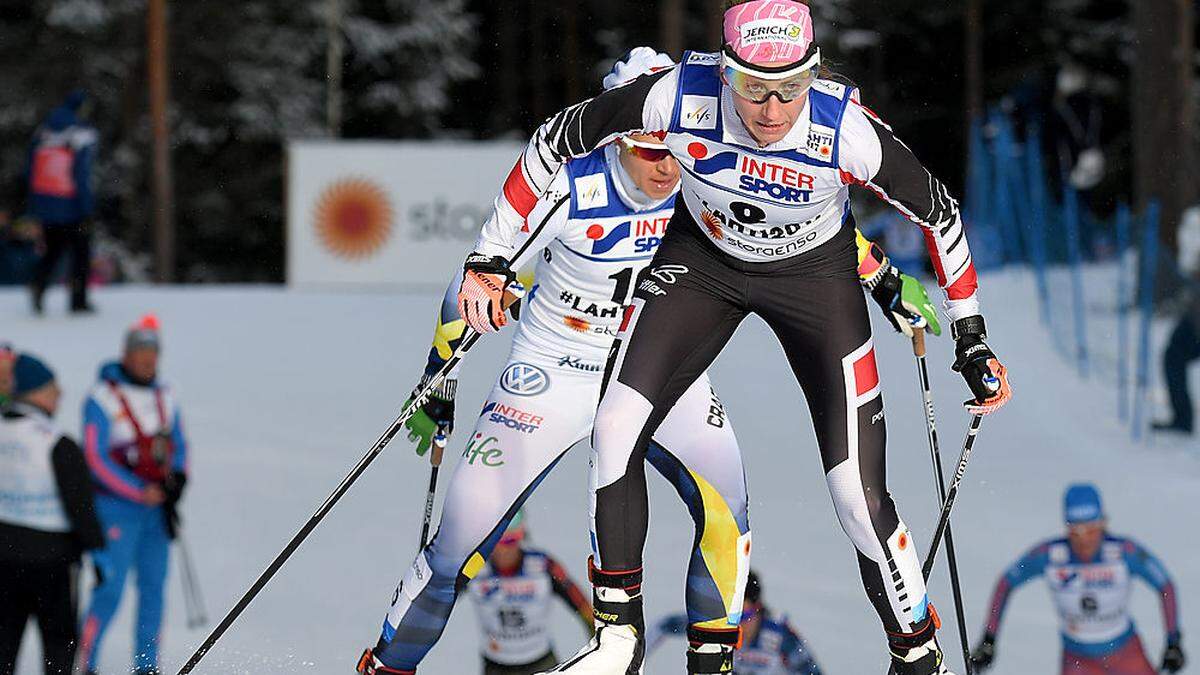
point(769, 31)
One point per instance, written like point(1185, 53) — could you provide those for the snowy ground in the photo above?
point(284, 390)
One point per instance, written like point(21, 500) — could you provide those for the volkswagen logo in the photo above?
point(524, 379)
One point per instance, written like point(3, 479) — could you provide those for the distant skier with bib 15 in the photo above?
point(768, 152)
point(1090, 574)
point(513, 597)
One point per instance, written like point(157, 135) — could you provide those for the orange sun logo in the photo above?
point(353, 218)
point(712, 224)
point(577, 324)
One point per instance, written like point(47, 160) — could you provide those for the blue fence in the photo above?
point(1027, 219)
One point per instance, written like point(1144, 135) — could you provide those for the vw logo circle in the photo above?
point(523, 379)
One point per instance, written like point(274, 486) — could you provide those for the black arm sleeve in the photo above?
point(75, 489)
point(582, 128)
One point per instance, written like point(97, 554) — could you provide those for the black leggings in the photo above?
point(75, 238)
point(1183, 348)
point(45, 591)
point(686, 307)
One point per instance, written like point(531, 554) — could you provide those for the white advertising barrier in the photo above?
point(371, 213)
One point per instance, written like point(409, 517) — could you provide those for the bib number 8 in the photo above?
point(747, 214)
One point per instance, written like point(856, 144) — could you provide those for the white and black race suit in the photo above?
point(763, 230)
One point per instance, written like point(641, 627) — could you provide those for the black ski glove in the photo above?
point(1173, 659)
point(904, 301)
point(975, 361)
point(984, 654)
point(435, 416)
point(173, 487)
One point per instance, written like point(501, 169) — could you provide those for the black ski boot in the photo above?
point(710, 651)
point(918, 653)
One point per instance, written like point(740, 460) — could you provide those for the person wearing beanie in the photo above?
point(137, 451)
point(47, 520)
point(1090, 574)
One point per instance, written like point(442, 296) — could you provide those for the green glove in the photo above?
point(436, 416)
point(905, 302)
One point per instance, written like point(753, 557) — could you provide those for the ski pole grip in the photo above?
point(918, 341)
point(439, 449)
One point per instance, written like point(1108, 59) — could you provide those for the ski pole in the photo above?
point(435, 459)
point(948, 502)
point(193, 598)
point(470, 337)
point(952, 494)
point(936, 455)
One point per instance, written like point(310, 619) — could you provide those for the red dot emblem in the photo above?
point(698, 150)
point(595, 231)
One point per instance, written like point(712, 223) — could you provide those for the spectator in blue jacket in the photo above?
point(135, 446)
point(60, 196)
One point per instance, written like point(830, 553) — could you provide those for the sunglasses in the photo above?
point(758, 84)
point(651, 152)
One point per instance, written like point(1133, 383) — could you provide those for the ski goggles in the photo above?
point(651, 152)
point(757, 84)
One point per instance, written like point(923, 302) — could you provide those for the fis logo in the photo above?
point(591, 192)
point(699, 112)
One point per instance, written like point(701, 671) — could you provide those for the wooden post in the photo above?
point(671, 27)
point(974, 62)
point(1164, 116)
point(537, 28)
point(572, 61)
point(164, 206)
point(715, 9)
point(334, 57)
point(974, 56)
